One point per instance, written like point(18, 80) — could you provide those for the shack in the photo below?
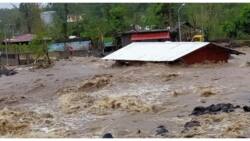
point(13, 57)
point(20, 39)
point(185, 52)
point(76, 46)
point(145, 36)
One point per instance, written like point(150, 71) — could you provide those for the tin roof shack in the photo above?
point(14, 57)
point(144, 36)
point(186, 52)
point(20, 39)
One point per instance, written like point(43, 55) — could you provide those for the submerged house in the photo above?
point(77, 46)
point(185, 52)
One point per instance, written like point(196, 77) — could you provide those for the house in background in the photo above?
point(144, 36)
point(20, 39)
point(76, 46)
point(74, 18)
point(13, 57)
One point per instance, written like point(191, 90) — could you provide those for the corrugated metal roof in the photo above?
point(21, 38)
point(155, 51)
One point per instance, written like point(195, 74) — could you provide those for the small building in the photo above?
point(77, 46)
point(20, 39)
point(74, 18)
point(13, 57)
point(145, 36)
point(185, 52)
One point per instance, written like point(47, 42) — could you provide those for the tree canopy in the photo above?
point(218, 20)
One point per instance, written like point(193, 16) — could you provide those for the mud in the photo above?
point(74, 102)
point(19, 123)
point(95, 83)
point(229, 125)
point(125, 103)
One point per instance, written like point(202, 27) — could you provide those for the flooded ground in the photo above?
point(88, 97)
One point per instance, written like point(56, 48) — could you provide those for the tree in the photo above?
point(117, 18)
point(161, 15)
point(31, 15)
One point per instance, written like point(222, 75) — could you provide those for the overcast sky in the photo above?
point(7, 5)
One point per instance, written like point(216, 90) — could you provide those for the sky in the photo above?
point(7, 5)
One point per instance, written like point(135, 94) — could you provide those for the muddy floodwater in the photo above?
point(88, 97)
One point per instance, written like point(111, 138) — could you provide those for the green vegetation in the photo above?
point(217, 21)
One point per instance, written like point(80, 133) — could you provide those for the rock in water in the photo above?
point(214, 109)
point(161, 130)
point(246, 108)
point(199, 111)
point(107, 135)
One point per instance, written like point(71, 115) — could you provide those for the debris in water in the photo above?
point(170, 76)
point(107, 135)
point(6, 71)
point(139, 131)
point(246, 108)
point(161, 130)
point(191, 124)
point(207, 93)
point(213, 109)
point(175, 93)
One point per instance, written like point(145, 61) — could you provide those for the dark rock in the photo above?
point(237, 106)
point(241, 137)
point(107, 135)
point(191, 124)
point(226, 107)
point(246, 108)
point(161, 130)
point(214, 109)
point(139, 131)
point(199, 111)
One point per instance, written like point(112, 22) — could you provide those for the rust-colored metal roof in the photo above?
point(150, 36)
point(21, 38)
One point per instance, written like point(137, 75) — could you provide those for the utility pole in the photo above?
point(65, 27)
point(6, 49)
point(179, 21)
